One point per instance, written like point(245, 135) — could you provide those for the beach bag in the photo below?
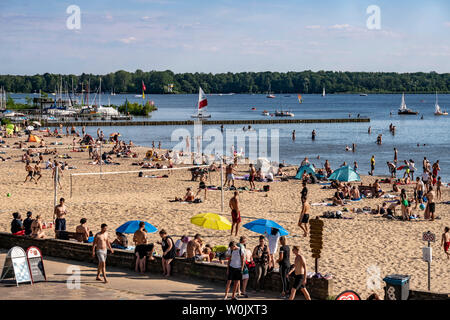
point(141, 174)
point(266, 188)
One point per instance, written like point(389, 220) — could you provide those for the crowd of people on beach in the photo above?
point(427, 190)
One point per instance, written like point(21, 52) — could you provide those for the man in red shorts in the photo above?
point(445, 241)
point(235, 214)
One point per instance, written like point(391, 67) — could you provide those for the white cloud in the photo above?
point(128, 40)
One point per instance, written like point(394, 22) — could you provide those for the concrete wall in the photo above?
point(318, 288)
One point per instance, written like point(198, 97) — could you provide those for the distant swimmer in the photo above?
point(293, 135)
point(369, 131)
point(313, 135)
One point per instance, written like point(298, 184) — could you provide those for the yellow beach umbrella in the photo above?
point(211, 221)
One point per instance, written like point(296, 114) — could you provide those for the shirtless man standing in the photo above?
point(142, 249)
point(100, 247)
point(445, 241)
point(235, 214)
point(57, 170)
point(60, 213)
point(300, 275)
point(304, 216)
point(252, 175)
point(419, 191)
point(229, 173)
point(431, 205)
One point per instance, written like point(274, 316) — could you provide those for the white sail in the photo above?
point(323, 92)
point(437, 107)
point(403, 105)
point(202, 105)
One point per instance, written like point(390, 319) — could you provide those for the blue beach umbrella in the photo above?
point(262, 225)
point(132, 226)
point(345, 174)
point(308, 168)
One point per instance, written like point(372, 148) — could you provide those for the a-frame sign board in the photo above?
point(16, 266)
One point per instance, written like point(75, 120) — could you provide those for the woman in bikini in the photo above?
point(36, 228)
point(251, 178)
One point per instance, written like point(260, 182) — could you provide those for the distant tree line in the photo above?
point(305, 82)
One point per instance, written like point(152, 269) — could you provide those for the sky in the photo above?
point(223, 36)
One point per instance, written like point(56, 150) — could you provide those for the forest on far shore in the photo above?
point(305, 82)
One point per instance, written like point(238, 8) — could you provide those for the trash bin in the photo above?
point(397, 287)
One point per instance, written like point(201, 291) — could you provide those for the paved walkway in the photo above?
point(123, 284)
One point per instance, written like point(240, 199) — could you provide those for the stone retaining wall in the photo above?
point(318, 288)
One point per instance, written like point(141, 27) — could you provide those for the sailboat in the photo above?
point(112, 92)
point(270, 95)
point(438, 111)
point(404, 110)
point(201, 106)
point(323, 92)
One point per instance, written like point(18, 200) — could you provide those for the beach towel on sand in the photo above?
point(323, 204)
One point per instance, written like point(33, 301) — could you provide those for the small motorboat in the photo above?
point(283, 114)
point(265, 113)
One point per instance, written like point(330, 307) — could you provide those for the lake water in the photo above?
point(432, 133)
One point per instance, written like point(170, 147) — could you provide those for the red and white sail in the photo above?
point(202, 101)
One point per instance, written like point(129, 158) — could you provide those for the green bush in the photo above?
point(137, 109)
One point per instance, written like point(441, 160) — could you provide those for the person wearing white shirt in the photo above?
point(273, 245)
point(235, 269)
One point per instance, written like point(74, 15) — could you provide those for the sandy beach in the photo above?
point(351, 246)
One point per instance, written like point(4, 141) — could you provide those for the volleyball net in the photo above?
point(143, 170)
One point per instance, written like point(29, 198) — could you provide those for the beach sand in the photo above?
point(353, 248)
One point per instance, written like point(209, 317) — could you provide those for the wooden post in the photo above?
point(316, 241)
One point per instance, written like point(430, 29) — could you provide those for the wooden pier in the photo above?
point(204, 122)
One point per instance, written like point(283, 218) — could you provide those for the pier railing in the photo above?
point(205, 122)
